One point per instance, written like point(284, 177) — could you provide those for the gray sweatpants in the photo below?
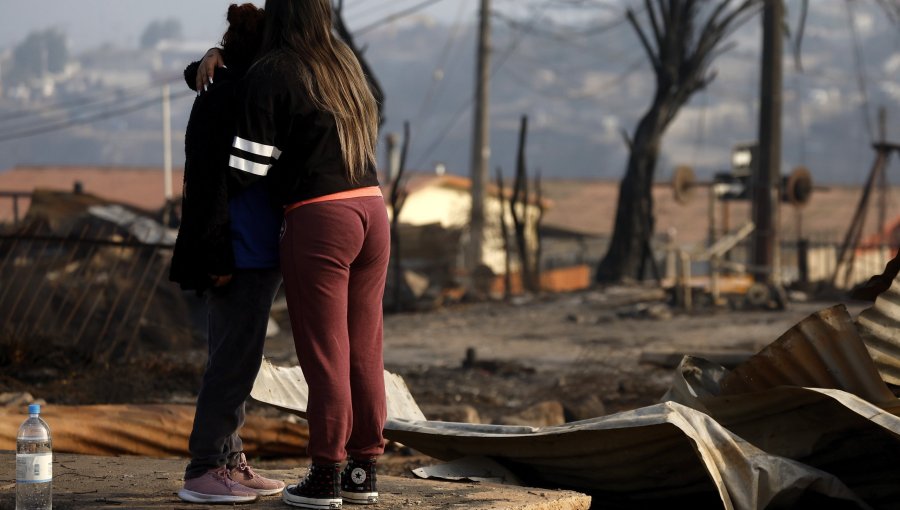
point(238, 316)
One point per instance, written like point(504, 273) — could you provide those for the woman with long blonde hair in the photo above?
point(310, 126)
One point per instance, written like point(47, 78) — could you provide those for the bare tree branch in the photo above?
point(689, 34)
point(657, 33)
point(651, 54)
point(892, 8)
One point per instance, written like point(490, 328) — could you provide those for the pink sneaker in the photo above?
point(244, 475)
point(216, 486)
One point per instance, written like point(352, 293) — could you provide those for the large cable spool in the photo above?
point(683, 184)
point(799, 187)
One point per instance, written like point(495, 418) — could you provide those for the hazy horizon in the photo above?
point(91, 23)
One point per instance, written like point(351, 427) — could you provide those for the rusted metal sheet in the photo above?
point(147, 430)
point(809, 414)
point(828, 429)
point(823, 350)
point(647, 457)
point(879, 328)
point(664, 454)
point(814, 395)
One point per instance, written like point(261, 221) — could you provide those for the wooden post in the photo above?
point(398, 198)
point(504, 232)
point(767, 168)
point(714, 288)
point(481, 149)
point(684, 259)
point(15, 200)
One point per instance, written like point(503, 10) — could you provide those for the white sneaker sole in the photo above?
point(311, 503)
point(212, 499)
point(266, 492)
point(360, 498)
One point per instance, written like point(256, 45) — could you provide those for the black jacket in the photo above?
point(203, 246)
point(282, 136)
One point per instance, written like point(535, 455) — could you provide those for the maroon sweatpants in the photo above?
point(334, 257)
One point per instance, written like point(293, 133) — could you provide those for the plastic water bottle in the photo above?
point(34, 463)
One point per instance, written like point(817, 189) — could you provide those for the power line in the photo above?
point(701, 130)
point(397, 15)
point(90, 119)
point(859, 65)
point(615, 81)
point(435, 88)
point(568, 37)
point(465, 107)
point(86, 101)
point(800, 94)
point(40, 117)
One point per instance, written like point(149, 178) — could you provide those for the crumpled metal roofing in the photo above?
point(827, 429)
point(824, 350)
point(879, 327)
point(286, 388)
point(649, 456)
point(807, 417)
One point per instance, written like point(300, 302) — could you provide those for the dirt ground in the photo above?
point(571, 348)
point(582, 350)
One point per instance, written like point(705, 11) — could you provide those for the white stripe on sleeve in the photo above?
point(248, 166)
point(276, 153)
point(260, 149)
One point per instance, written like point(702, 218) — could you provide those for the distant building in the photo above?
point(445, 201)
point(140, 187)
point(574, 230)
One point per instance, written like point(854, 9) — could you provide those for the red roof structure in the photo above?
point(138, 186)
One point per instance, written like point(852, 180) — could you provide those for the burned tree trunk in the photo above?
point(504, 232)
point(398, 199)
point(539, 246)
point(680, 46)
point(634, 213)
point(519, 205)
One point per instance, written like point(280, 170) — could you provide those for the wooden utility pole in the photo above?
point(167, 142)
point(882, 181)
point(481, 149)
point(767, 169)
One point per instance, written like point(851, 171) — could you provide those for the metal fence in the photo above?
point(91, 293)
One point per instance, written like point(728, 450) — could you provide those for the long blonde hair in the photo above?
point(331, 75)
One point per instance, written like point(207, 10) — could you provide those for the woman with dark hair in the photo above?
point(227, 248)
point(310, 124)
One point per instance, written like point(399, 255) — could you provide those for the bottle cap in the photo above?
point(34, 409)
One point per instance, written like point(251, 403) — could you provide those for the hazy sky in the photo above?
point(89, 23)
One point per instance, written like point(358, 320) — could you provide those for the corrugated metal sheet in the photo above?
point(286, 388)
point(808, 414)
point(845, 425)
point(823, 350)
point(646, 457)
point(879, 327)
point(147, 430)
point(828, 429)
point(652, 456)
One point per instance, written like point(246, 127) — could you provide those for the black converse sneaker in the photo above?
point(358, 482)
point(319, 490)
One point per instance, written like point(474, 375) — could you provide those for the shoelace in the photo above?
point(243, 466)
point(308, 479)
point(309, 474)
point(225, 476)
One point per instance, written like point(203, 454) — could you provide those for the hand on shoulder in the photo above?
point(207, 70)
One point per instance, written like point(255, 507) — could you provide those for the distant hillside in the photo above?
point(580, 93)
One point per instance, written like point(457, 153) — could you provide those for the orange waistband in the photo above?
point(371, 191)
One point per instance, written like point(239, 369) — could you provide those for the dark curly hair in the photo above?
point(242, 40)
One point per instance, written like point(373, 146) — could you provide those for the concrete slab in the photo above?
point(82, 481)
